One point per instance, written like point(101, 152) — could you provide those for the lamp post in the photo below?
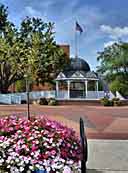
point(27, 93)
point(84, 147)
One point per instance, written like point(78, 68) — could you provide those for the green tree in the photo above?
point(50, 58)
point(114, 66)
point(11, 52)
point(29, 51)
point(11, 65)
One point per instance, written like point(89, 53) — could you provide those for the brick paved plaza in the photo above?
point(100, 122)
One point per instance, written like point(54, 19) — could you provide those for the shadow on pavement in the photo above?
point(93, 171)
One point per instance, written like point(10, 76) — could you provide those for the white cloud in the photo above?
point(64, 16)
point(109, 43)
point(114, 32)
point(32, 12)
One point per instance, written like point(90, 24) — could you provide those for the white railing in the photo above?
point(63, 94)
point(101, 94)
point(17, 98)
point(92, 95)
point(5, 99)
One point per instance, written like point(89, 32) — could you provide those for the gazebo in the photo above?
point(73, 81)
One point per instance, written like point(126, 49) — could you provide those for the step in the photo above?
point(109, 156)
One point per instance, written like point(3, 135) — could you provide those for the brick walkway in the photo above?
point(100, 122)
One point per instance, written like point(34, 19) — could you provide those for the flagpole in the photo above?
point(76, 44)
point(77, 28)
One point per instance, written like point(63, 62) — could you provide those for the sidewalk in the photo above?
point(105, 171)
point(107, 156)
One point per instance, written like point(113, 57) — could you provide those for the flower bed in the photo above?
point(39, 144)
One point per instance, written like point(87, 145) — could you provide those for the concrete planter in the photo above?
point(40, 171)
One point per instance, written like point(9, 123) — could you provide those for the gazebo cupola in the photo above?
point(76, 77)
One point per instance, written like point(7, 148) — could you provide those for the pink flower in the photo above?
point(68, 145)
point(39, 142)
point(53, 152)
point(27, 129)
point(34, 148)
point(67, 170)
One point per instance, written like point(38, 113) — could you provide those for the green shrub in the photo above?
point(116, 101)
point(42, 101)
point(121, 87)
point(23, 102)
point(20, 86)
point(106, 102)
point(52, 102)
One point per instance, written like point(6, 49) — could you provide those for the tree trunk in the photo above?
point(4, 89)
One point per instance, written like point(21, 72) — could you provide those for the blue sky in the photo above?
point(103, 21)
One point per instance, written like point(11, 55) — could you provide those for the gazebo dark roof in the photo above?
point(78, 64)
point(77, 69)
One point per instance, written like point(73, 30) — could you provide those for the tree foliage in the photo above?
point(51, 59)
point(11, 53)
point(30, 51)
point(114, 58)
point(114, 66)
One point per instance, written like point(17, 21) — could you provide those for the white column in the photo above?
point(86, 88)
point(68, 89)
point(57, 88)
point(97, 88)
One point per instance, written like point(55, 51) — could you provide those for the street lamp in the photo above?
point(27, 93)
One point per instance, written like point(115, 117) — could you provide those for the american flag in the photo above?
point(78, 27)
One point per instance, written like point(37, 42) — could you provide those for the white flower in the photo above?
point(22, 162)
point(62, 160)
point(1, 161)
point(12, 161)
point(32, 153)
point(60, 166)
point(50, 141)
point(21, 169)
point(39, 135)
point(37, 165)
point(31, 138)
point(28, 171)
point(67, 170)
point(17, 160)
point(31, 167)
point(53, 145)
point(19, 131)
point(27, 149)
point(48, 169)
point(45, 144)
point(14, 169)
point(70, 162)
point(8, 166)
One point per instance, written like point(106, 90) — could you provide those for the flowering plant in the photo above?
point(39, 144)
